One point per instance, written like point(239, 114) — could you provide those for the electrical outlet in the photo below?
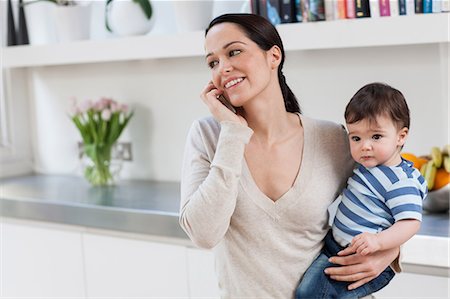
point(121, 150)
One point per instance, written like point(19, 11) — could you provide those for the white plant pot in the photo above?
point(40, 22)
point(73, 22)
point(126, 18)
point(193, 15)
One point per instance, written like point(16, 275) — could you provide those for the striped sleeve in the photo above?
point(404, 198)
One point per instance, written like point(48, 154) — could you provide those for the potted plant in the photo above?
point(71, 19)
point(57, 2)
point(128, 17)
point(100, 124)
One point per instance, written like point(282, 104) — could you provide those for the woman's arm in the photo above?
point(361, 269)
point(210, 174)
point(209, 188)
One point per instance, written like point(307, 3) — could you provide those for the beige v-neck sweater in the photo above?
point(262, 248)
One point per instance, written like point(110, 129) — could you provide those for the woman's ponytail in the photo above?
point(290, 100)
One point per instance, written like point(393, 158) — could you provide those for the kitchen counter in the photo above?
point(150, 208)
point(136, 206)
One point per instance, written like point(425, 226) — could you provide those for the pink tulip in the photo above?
point(106, 114)
point(85, 106)
point(124, 108)
point(73, 109)
point(115, 107)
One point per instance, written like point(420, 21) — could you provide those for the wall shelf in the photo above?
point(387, 31)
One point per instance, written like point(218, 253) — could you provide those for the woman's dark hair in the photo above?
point(377, 99)
point(265, 35)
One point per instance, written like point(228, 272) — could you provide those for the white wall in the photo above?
point(324, 81)
point(165, 96)
point(163, 93)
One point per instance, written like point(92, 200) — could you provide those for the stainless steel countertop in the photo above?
point(135, 206)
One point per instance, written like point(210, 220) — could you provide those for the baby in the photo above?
point(381, 207)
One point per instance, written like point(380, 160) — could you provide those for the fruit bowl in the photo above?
point(437, 201)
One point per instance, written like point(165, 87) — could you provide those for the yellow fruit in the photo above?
point(442, 178)
point(447, 163)
point(436, 156)
point(423, 169)
point(446, 150)
point(430, 174)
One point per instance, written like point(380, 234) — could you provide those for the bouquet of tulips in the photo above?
point(100, 124)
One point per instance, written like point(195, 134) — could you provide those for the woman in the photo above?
point(256, 184)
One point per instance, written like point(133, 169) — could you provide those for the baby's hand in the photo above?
point(366, 243)
point(363, 244)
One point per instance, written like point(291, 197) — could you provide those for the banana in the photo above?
point(446, 150)
point(447, 163)
point(436, 156)
point(430, 174)
point(423, 169)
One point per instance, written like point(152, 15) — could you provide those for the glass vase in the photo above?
point(101, 165)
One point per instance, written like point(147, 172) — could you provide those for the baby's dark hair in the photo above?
point(377, 99)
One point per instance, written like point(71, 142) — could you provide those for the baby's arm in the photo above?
point(366, 243)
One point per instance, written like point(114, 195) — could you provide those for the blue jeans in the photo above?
point(316, 284)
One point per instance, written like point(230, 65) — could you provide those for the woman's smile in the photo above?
point(233, 82)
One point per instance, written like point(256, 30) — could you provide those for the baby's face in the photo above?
point(377, 142)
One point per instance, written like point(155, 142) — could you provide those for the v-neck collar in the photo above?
point(274, 208)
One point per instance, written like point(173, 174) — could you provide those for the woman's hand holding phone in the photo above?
point(219, 106)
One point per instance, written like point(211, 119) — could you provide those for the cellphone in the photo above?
point(226, 103)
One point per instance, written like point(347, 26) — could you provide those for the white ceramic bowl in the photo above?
point(438, 201)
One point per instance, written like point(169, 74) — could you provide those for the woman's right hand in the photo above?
point(360, 269)
point(218, 110)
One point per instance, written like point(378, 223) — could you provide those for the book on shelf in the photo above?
point(269, 9)
point(303, 9)
point(385, 10)
point(410, 10)
point(329, 10)
point(394, 7)
point(262, 8)
point(350, 9)
point(427, 6)
point(287, 11)
point(445, 5)
point(374, 8)
point(418, 5)
point(316, 10)
point(254, 7)
point(402, 7)
point(293, 11)
point(362, 8)
point(436, 6)
point(298, 11)
point(339, 9)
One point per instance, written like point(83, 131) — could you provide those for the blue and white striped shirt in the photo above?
point(377, 197)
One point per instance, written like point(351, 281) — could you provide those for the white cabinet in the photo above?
point(408, 285)
point(127, 268)
point(43, 260)
point(38, 262)
point(201, 274)
point(46, 260)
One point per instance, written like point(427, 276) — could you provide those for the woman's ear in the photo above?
point(402, 135)
point(275, 56)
